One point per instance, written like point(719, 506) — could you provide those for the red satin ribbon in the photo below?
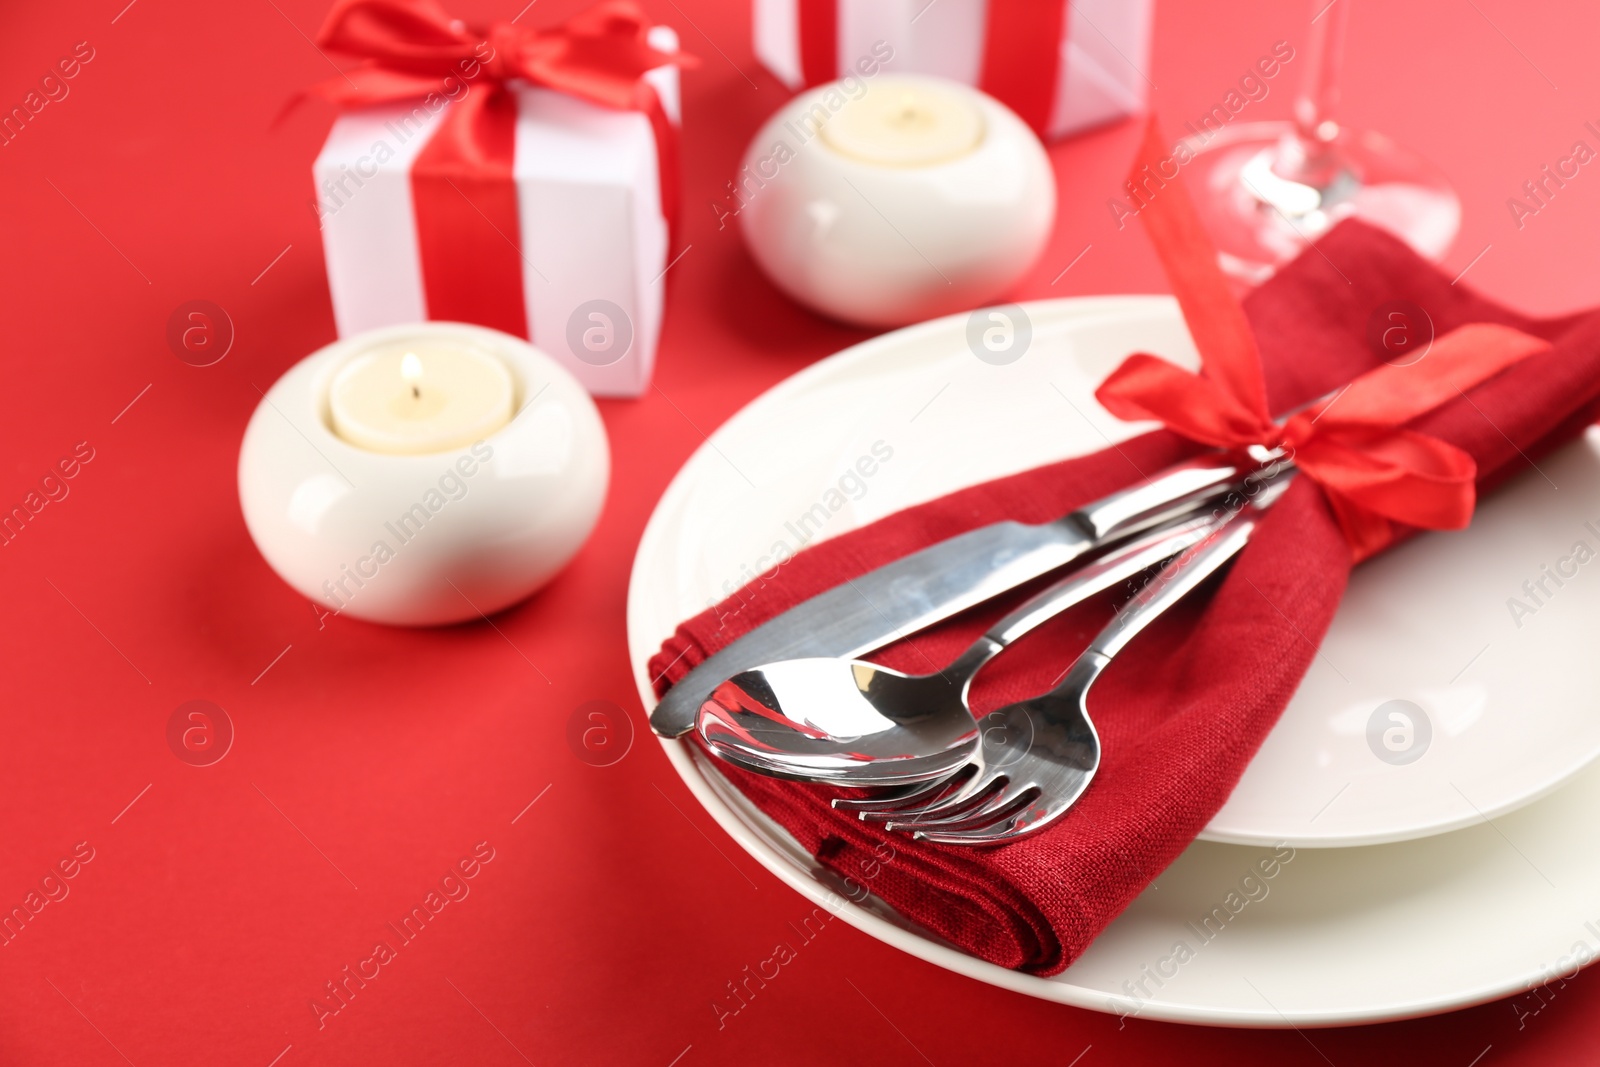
point(819, 40)
point(1021, 52)
point(1378, 476)
point(464, 196)
point(1022, 57)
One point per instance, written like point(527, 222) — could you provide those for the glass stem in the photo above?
point(1319, 85)
point(1307, 156)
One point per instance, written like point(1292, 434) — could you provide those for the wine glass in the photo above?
point(1265, 190)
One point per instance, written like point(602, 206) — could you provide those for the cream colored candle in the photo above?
point(419, 396)
point(905, 122)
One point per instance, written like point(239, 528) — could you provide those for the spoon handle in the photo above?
point(1098, 575)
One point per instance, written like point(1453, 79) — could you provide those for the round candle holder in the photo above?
point(421, 540)
point(884, 241)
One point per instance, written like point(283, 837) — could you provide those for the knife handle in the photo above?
point(1176, 491)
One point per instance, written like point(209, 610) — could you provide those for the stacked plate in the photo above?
point(1423, 805)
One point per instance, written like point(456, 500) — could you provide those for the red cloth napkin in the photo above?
point(1181, 713)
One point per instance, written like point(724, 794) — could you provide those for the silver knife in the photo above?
point(916, 591)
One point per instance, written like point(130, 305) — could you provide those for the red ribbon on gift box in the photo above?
point(1021, 52)
point(1379, 477)
point(463, 177)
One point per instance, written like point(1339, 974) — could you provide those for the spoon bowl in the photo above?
point(825, 719)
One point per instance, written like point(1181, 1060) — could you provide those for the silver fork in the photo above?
point(1038, 756)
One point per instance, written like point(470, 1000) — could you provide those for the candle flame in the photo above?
point(411, 371)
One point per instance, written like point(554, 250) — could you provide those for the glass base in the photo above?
point(1264, 193)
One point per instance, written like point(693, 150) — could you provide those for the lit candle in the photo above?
point(362, 528)
point(420, 395)
point(903, 122)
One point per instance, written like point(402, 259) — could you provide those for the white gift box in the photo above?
point(593, 231)
point(1101, 69)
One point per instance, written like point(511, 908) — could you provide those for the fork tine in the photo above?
point(1024, 818)
point(901, 796)
point(949, 791)
point(999, 829)
point(969, 797)
point(990, 836)
point(976, 816)
point(962, 798)
point(996, 807)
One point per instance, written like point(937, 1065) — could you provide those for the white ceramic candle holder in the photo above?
point(887, 245)
point(423, 540)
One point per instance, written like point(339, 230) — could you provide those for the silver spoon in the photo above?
point(854, 723)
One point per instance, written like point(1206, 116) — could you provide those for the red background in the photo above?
point(614, 911)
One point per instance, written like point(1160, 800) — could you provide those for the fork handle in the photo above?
point(1176, 580)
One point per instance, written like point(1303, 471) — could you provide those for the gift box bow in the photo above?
point(413, 47)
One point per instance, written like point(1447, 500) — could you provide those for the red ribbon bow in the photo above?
point(413, 47)
point(1378, 476)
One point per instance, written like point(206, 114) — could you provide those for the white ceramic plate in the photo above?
point(1511, 709)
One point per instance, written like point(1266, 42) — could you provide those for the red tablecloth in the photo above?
point(369, 764)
